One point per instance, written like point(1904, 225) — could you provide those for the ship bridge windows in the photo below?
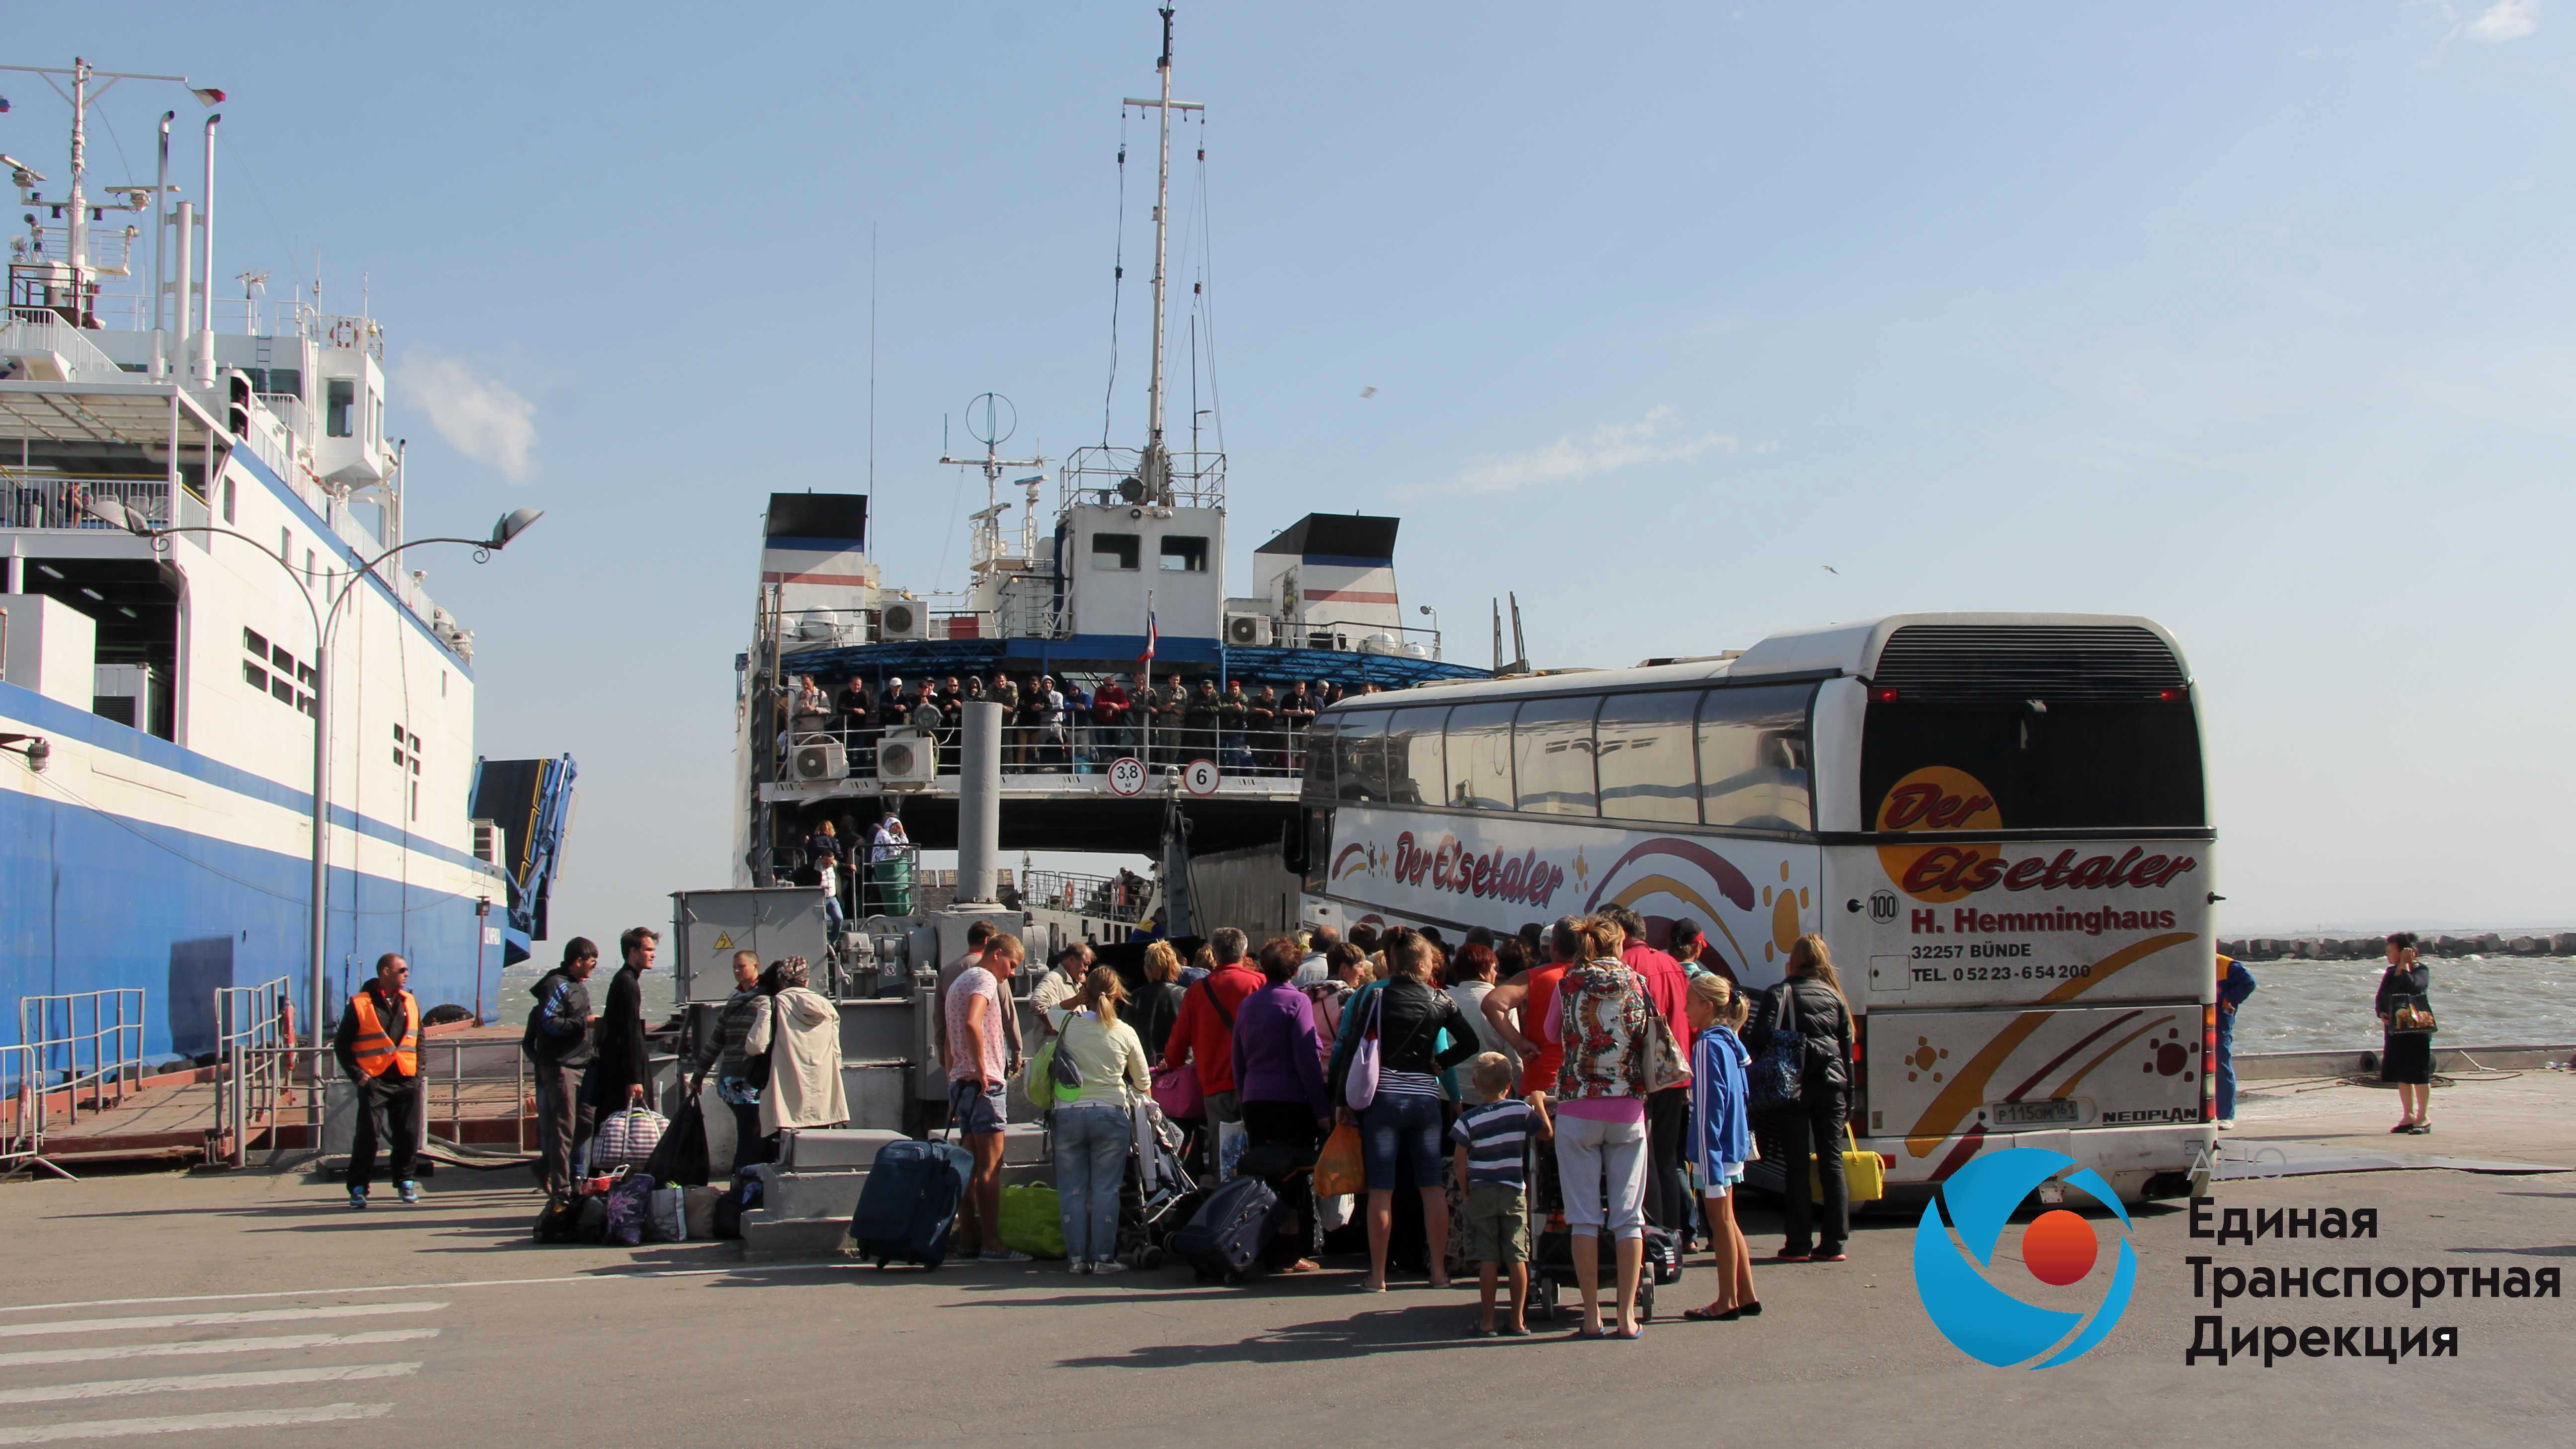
point(1185, 554)
point(340, 399)
point(1123, 552)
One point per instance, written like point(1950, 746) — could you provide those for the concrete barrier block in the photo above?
point(768, 1240)
point(824, 1148)
point(833, 1194)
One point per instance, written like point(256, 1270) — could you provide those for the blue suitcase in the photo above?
point(908, 1205)
point(1225, 1237)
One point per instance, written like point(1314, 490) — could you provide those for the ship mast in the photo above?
point(1156, 472)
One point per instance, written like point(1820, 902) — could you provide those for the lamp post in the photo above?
point(325, 619)
point(1435, 629)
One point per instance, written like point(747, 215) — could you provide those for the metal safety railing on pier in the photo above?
point(22, 1114)
point(254, 1063)
point(464, 1081)
point(104, 1057)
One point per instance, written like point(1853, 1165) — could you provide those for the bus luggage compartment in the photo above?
point(1939, 1075)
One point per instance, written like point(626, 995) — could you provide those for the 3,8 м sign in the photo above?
point(1127, 776)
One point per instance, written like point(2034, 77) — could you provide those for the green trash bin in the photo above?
point(891, 883)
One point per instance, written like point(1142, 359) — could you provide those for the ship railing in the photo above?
point(254, 1037)
point(463, 1081)
point(54, 501)
point(22, 1113)
point(42, 330)
point(1076, 749)
point(1098, 476)
point(84, 1042)
point(1119, 898)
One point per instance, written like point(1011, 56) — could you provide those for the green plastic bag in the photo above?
point(1032, 1220)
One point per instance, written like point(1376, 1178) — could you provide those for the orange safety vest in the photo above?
point(373, 1050)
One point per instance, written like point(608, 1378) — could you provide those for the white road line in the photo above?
point(274, 1343)
point(605, 1275)
point(205, 1320)
point(186, 1423)
point(198, 1383)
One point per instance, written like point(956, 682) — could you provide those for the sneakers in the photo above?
point(1004, 1256)
point(1078, 1265)
point(1108, 1265)
point(408, 1190)
point(358, 1198)
point(2226, 1124)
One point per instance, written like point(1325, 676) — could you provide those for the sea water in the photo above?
point(2302, 1006)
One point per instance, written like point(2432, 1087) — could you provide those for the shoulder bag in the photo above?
point(1666, 1065)
point(1777, 1078)
point(1177, 1090)
point(2411, 1016)
point(1359, 1075)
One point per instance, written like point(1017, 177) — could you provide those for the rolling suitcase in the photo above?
point(1225, 1237)
point(908, 1205)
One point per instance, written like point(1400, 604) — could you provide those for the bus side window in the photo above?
point(1414, 768)
point(1645, 757)
point(1480, 756)
point(1319, 761)
point(1552, 756)
point(1359, 756)
point(1754, 765)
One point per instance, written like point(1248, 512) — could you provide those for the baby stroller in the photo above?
point(1552, 1250)
point(1159, 1195)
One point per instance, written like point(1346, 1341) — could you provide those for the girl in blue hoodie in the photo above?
point(1721, 1141)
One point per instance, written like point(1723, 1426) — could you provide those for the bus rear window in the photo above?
point(2045, 765)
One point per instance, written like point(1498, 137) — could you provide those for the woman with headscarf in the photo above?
point(801, 1031)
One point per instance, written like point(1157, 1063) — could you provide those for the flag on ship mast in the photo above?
point(1153, 636)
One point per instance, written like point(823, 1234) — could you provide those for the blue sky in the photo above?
point(2249, 318)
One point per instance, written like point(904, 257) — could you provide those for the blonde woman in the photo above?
point(1809, 1002)
point(1161, 1005)
point(1721, 1140)
point(1091, 1129)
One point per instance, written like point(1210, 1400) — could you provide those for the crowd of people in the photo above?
point(1053, 723)
point(1572, 1076)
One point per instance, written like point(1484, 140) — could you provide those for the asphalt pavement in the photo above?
point(258, 1309)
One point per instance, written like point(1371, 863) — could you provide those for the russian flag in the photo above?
point(1153, 637)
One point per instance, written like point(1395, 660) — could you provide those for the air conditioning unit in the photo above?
point(818, 760)
point(907, 758)
point(1244, 631)
point(903, 619)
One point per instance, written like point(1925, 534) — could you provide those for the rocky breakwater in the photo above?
point(2368, 948)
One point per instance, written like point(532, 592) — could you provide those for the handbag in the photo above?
point(1339, 1168)
point(1033, 1220)
point(679, 1157)
point(1864, 1173)
point(1359, 1075)
point(627, 1137)
point(1777, 1077)
point(2410, 1015)
point(1176, 1091)
point(1667, 1066)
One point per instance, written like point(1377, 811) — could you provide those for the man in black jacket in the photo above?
point(622, 1064)
point(557, 1042)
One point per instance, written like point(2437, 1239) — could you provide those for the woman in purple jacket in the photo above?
point(1279, 1074)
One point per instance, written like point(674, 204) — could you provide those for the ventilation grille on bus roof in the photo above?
point(2027, 661)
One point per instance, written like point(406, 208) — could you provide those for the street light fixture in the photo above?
point(508, 527)
point(1435, 629)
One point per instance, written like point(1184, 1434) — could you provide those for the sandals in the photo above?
point(1632, 1335)
point(1704, 1315)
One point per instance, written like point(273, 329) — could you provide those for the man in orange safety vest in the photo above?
point(379, 1049)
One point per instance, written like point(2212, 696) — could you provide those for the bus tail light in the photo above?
point(1859, 1105)
point(1882, 694)
point(2209, 1063)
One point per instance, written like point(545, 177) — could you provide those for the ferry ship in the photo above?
point(1120, 583)
point(203, 522)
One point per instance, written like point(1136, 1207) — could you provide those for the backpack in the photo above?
point(559, 1221)
point(1777, 1079)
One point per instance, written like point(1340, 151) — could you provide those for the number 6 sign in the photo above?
point(1201, 777)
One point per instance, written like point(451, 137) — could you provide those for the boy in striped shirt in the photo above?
point(1492, 1164)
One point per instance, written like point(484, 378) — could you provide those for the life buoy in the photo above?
point(344, 333)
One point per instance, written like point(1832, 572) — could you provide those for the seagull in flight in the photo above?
point(1829, 568)
point(1368, 392)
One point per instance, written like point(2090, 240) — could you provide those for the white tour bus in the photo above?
point(1997, 822)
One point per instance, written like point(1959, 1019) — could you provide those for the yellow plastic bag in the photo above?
point(1339, 1168)
point(1864, 1173)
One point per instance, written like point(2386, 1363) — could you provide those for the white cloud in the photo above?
point(483, 418)
point(1655, 438)
point(2506, 20)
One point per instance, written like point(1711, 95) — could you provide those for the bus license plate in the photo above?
point(2045, 1113)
